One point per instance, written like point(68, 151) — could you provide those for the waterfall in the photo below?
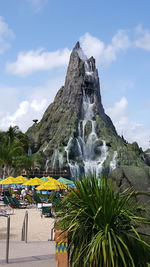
point(113, 163)
point(79, 148)
point(74, 168)
point(46, 165)
point(57, 160)
point(85, 143)
point(67, 148)
point(88, 68)
point(44, 149)
point(54, 159)
point(61, 160)
point(92, 165)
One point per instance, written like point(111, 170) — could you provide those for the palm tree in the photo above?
point(104, 225)
point(12, 133)
point(8, 152)
point(25, 162)
point(13, 151)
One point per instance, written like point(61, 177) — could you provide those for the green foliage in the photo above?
point(23, 162)
point(13, 151)
point(8, 152)
point(103, 226)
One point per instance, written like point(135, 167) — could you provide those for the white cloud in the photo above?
point(121, 41)
point(37, 5)
point(92, 46)
point(118, 110)
point(27, 111)
point(5, 35)
point(32, 61)
point(143, 39)
point(37, 60)
point(131, 130)
point(22, 113)
point(38, 106)
point(19, 113)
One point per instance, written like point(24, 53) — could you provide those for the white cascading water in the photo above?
point(57, 160)
point(92, 163)
point(74, 168)
point(113, 163)
point(46, 165)
point(44, 149)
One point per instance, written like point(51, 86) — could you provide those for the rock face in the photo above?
point(76, 134)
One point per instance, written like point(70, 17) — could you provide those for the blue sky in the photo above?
point(36, 38)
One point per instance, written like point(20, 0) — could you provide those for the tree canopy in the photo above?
point(14, 146)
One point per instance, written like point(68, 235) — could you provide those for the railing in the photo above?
point(7, 236)
point(52, 234)
point(39, 173)
point(24, 233)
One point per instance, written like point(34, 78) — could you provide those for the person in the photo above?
point(7, 193)
point(30, 192)
point(23, 193)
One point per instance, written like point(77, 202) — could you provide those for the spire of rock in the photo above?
point(75, 133)
point(77, 45)
point(67, 105)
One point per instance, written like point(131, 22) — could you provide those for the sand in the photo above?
point(39, 229)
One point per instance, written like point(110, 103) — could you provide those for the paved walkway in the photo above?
point(38, 251)
point(38, 228)
point(41, 253)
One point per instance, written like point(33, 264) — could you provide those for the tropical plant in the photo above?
point(12, 133)
point(14, 152)
point(104, 225)
point(8, 152)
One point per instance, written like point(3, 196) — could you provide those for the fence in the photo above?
point(24, 232)
point(7, 236)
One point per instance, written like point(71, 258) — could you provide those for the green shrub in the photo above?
point(104, 225)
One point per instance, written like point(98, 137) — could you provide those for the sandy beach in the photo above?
point(38, 228)
point(38, 251)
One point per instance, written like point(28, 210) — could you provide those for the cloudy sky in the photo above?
point(36, 38)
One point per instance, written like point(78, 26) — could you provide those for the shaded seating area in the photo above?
point(14, 202)
point(36, 199)
point(44, 193)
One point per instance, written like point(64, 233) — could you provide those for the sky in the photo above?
point(36, 39)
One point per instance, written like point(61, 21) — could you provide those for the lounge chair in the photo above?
point(14, 203)
point(37, 199)
point(6, 201)
point(46, 211)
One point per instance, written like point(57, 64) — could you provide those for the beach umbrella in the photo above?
point(66, 181)
point(52, 184)
point(45, 179)
point(49, 177)
point(34, 181)
point(8, 180)
point(20, 180)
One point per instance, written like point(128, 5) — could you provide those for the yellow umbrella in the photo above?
point(20, 180)
point(52, 184)
point(8, 180)
point(49, 177)
point(34, 181)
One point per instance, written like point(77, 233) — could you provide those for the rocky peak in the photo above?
point(77, 46)
point(82, 76)
point(75, 131)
